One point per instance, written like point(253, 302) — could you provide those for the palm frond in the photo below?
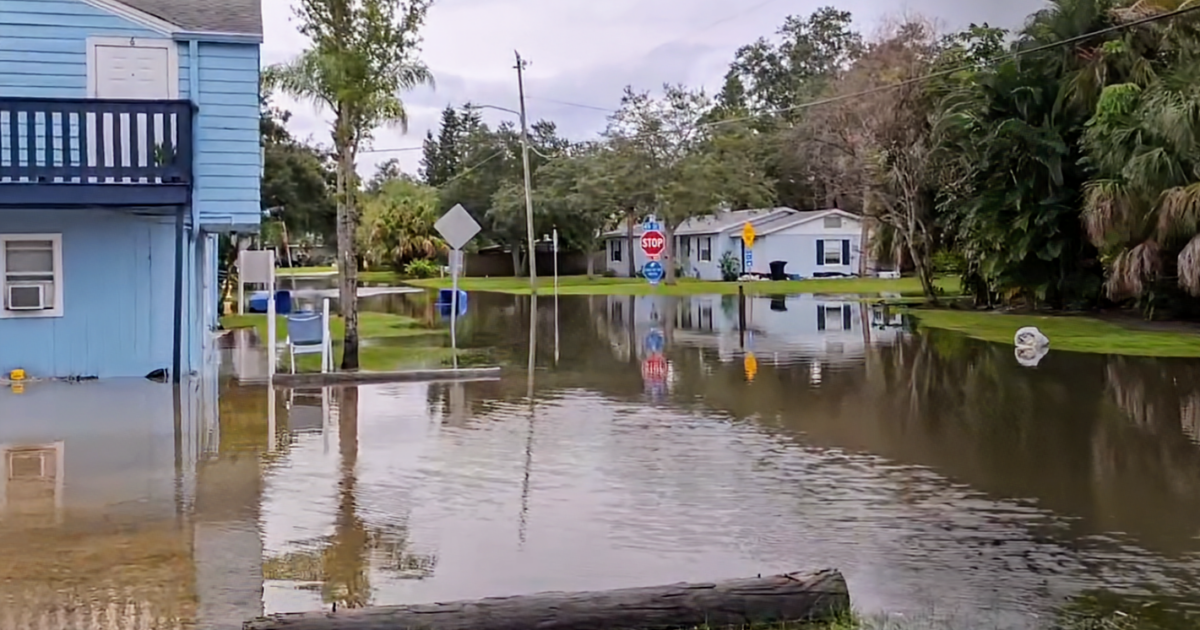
point(1133, 269)
point(1179, 211)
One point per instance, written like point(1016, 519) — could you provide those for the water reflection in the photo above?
point(937, 472)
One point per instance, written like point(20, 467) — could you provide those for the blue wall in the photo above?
point(228, 156)
point(118, 298)
point(43, 54)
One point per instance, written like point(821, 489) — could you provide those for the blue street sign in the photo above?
point(650, 225)
point(749, 263)
point(655, 342)
point(654, 271)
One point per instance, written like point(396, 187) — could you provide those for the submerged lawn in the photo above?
point(387, 341)
point(370, 325)
point(1075, 333)
point(581, 285)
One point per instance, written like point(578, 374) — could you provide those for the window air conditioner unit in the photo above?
point(25, 296)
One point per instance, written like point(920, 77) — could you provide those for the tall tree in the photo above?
point(363, 55)
point(686, 166)
point(298, 179)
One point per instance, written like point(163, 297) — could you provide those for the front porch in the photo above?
point(95, 196)
point(74, 153)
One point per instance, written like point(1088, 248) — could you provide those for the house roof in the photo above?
point(764, 220)
point(800, 218)
point(718, 222)
point(207, 16)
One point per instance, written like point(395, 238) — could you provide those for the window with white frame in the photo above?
point(833, 252)
point(616, 251)
point(33, 278)
point(705, 249)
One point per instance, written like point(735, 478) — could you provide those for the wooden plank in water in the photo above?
point(792, 597)
point(317, 379)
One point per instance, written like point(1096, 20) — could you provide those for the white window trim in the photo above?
point(614, 250)
point(56, 243)
point(837, 242)
point(170, 45)
point(700, 249)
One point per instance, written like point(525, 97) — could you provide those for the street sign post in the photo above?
point(458, 228)
point(748, 236)
point(653, 271)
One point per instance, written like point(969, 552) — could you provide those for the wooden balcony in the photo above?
point(73, 153)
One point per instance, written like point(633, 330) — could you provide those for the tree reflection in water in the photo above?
point(342, 563)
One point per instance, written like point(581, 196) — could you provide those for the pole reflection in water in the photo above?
point(532, 409)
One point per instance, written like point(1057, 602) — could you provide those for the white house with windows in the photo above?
point(811, 243)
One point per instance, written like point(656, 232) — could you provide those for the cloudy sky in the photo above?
point(581, 53)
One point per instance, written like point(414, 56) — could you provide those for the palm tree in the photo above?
point(363, 56)
point(398, 223)
point(1143, 209)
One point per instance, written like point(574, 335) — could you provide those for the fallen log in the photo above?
point(818, 596)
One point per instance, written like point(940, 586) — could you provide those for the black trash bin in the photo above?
point(777, 270)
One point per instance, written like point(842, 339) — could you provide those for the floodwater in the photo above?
point(652, 442)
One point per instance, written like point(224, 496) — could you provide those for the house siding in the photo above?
point(118, 298)
point(43, 54)
point(798, 246)
point(228, 163)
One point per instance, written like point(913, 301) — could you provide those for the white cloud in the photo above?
point(583, 52)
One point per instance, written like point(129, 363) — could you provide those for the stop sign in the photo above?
point(654, 369)
point(653, 243)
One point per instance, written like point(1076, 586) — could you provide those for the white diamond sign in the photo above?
point(457, 227)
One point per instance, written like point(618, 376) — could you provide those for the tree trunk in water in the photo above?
point(347, 228)
point(629, 245)
point(668, 255)
point(795, 597)
point(345, 562)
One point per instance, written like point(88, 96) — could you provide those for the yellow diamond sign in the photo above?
point(751, 366)
point(748, 235)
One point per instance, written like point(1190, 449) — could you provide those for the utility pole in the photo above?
point(528, 183)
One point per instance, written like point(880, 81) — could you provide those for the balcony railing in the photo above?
point(94, 151)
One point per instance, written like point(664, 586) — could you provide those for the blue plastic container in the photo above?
point(257, 302)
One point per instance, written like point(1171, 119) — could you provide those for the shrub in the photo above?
point(730, 268)
point(422, 268)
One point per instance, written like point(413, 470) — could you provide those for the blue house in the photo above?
point(129, 141)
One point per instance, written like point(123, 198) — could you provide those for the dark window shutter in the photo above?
point(821, 255)
point(820, 314)
point(845, 317)
point(846, 252)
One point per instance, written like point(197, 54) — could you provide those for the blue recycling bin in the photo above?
point(257, 302)
point(445, 302)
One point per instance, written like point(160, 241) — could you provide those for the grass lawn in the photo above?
point(1075, 333)
point(363, 276)
point(581, 285)
point(384, 344)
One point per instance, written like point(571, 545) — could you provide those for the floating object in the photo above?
point(1032, 346)
point(1029, 356)
point(257, 303)
point(1030, 337)
point(799, 597)
point(16, 375)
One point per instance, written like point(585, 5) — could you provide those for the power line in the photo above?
point(1020, 52)
point(941, 73)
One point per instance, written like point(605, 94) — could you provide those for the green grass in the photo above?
point(389, 332)
point(363, 276)
point(1075, 333)
point(370, 325)
point(581, 285)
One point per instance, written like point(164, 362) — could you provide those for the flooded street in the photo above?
point(652, 443)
